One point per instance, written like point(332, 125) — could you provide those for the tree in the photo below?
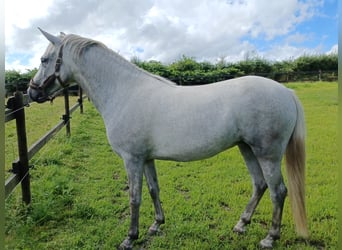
point(14, 80)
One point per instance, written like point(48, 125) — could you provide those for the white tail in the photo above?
point(295, 168)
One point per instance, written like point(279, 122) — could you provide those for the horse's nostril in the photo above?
point(32, 97)
point(37, 96)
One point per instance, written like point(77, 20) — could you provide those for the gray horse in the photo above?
point(148, 117)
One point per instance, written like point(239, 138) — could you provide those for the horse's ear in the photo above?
point(53, 39)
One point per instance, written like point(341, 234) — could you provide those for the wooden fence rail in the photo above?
point(20, 167)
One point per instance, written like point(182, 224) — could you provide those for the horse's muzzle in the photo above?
point(37, 96)
point(36, 93)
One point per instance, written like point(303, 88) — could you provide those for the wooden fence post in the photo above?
point(66, 116)
point(80, 99)
point(22, 167)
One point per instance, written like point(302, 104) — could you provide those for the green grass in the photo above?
point(80, 199)
point(40, 118)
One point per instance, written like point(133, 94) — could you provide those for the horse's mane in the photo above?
point(78, 45)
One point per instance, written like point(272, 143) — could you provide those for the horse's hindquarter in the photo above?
point(267, 117)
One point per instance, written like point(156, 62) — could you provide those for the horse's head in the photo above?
point(52, 74)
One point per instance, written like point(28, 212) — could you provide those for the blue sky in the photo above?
point(315, 35)
point(166, 30)
point(324, 27)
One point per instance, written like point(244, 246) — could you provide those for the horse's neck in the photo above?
point(107, 78)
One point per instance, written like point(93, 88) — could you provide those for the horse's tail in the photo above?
point(295, 168)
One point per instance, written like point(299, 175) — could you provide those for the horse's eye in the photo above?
point(44, 60)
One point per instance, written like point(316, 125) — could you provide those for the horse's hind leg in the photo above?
point(259, 187)
point(153, 187)
point(273, 177)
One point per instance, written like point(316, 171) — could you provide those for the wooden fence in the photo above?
point(15, 110)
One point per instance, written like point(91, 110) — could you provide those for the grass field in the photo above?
point(80, 199)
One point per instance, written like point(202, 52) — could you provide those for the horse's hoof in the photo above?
point(154, 229)
point(267, 243)
point(126, 245)
point(239, 230)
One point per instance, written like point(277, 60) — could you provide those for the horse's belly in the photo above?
point(191, 147)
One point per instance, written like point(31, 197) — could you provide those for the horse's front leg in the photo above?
point(153, 187)
point(134, 169)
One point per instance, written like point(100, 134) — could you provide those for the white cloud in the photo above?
point(333, 50)
point(161, 30)
point(286, 52)
point(298, 38)
point(19, 15)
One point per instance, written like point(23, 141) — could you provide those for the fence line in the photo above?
point(20, 167)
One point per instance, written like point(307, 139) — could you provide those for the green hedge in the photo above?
point(187, 71)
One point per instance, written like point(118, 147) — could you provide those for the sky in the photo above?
point(164, 30)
